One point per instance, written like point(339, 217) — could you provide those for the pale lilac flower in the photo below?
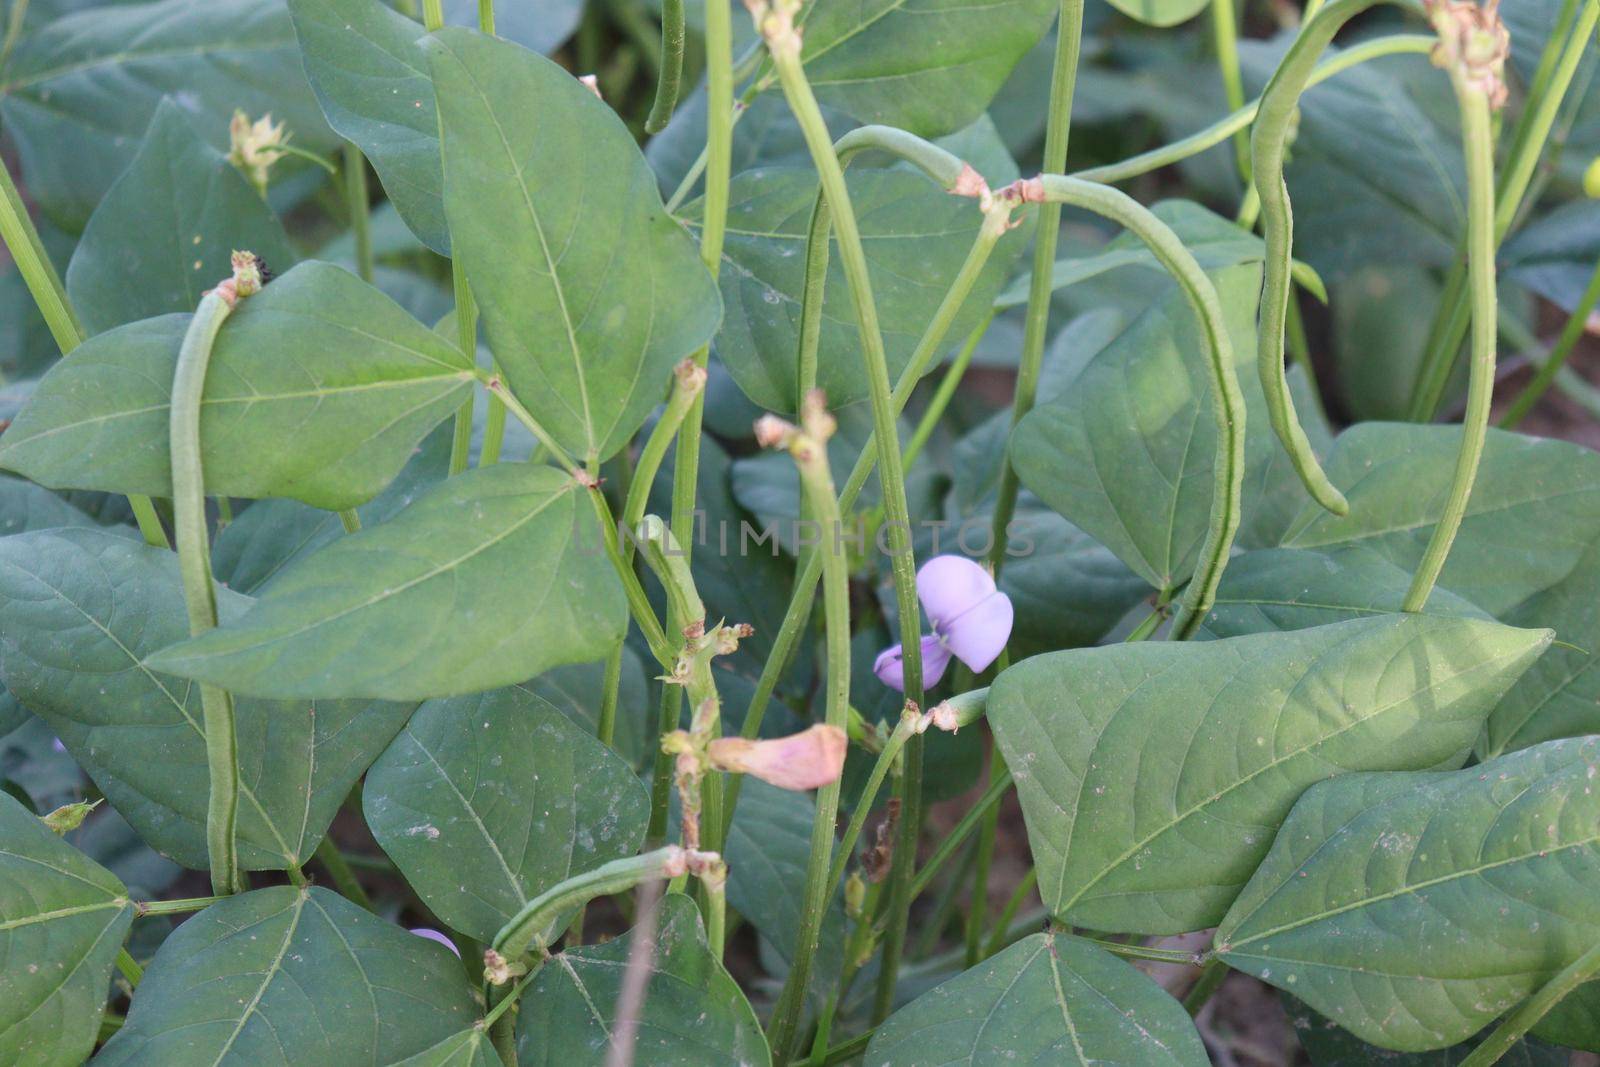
point(971, 621)
point(807, 760)
point(434, 935)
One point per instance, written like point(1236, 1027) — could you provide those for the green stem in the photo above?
point(667, 87)
point(907, 728)
point(1221, 130)
point(432, 14)
point(496, 387)
point(344, 879)
point(960, 832)
point(1508, 1033)
point(644, 615)
point(486, 16)
point(978, 908)
point(467, 340)
point(44, 284)
point(811, 456)
point(199, 592)
point(1211, 977)
point(525, 931)
point(1036, 324)
point(1002, 926)
point(14, 20)
point(1225, 37)
point(946, 391)
point(1227, 402)
point(173, 907)
point(358, 200)
point(1576, 325)
point(1478, 144)
point(129, 967)
point(1453, 319)
point(668, 715)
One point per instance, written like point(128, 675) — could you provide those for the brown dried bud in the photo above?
point(970, 183)
point(691, 376)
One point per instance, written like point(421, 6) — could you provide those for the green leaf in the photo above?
point(469, 1048)
point(422, 606)
point(694, 1013)
point(1153, 775)
point(916, 237)
point(319, 389)
point(590, 291)
point(25, 506)
point(1276, 589)
point(1414, 909)
point(165, 232)
point(486, 801)
point(62, 919)
point(77, 95)
point(927, 66)
point(366, 63)
point(1527, 551)
point(1330, 1045)
point(1050, 998)
point(1160, 12)
point(80, 610)
point(292, 976)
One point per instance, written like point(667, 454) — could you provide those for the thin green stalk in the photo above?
point(1036, 324)
point(129, 967)
point(1226, 127)
point(359, 202)
point(525, 931)
point(638, 603)
point(1453, 318)
point(970, 819)
point(671, 77)
point(846, 1051)
point(978, 908)
point(800, 602)
point(1576, 325)
point(486, 16)
point(1211, 977)
point(668, 715)
point(908, 727)
point(194, 564)
point(494, 431)
point(503, 1030)
point(350, 519)
point(1142, 952)
point(810, 452)
point(14, 20)
point(1002, 925)
point(1478, 144)
point(946, 391)
point(467, 340)
point(44, 284)
point(141, 908)
point(432, 14)
point(344, 879)
point(1225, 38)
point(1227, 402)
point(1500, 1041)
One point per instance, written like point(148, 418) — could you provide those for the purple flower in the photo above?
point(434, 935)
point(971, 621)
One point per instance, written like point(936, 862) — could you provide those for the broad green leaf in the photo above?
point(292, 976)
point(319, 389)
point(1127, 453)
point(486, 801)
point(1160, 12)
point(1379, 340)
point(590, 291)
point(915, 236)
point(1153, 775)
point(25, 506)
point(165, 231)
point(1555, 255)
point(62, 919)
point(928, 66)
point(76, 96)
point(1049, 998)
point(1330, 1045)
point(1413, 909)
point(366, 63)
point(469, 1048)
point(694, 1014)
point(1295, 589)
point(424, 606)
point(1527, 551)
point(80, 612)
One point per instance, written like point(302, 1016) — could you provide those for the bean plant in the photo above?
point(551, 533)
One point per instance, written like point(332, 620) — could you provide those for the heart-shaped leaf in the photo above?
point(1049, 998)
point(1153, 775)
point(1414, 909)
point(319, 389)
point(165, 231)
point(77, 95)
point(590, 291)
point(503, 786)
point(62, 919)
point(80, 610)
point(424, 606)
point(289, 976)
point(366, 63)
point(693, 1012)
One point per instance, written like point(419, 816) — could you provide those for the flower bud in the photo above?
point(807, 760)
point(68, 817)
point(254, 147)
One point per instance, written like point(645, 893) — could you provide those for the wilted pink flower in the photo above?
point(434, 935)
point(971, 621)
point(806, 760)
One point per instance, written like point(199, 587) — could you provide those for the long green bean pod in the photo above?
point(1227, 402)
point(671, 79)
point(1268, 142)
